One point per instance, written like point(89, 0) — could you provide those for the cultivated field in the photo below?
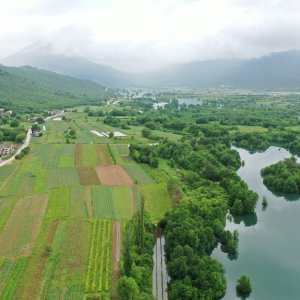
point(18, 236)
point(104, 156)
point(113, 175)
point(137, 174)
point(88, 176)
point(64, 205)
point(98, 278)
point(103, 203)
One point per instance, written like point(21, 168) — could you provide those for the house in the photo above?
point(37, 133)
point(6, 149)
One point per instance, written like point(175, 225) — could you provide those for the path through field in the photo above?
point(116, 256)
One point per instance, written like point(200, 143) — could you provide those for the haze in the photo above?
point(144, 35)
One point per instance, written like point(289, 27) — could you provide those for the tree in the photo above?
point(20, 138)
point(146, 133)
point(243, 286)
point(14, 123)
point(127, 288)
point(40, 120)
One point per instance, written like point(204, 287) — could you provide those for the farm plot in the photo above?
point(103, 203)
point(38, 269)
point(10, 272)
point(59, 203)
point(62, 177)
point(104, 156)
point(70, 271)
point(156, 173)
point(21, 184)
point(88, 176)
point(18, 238)
point(98, 277)
point(138, 174)
point(157, 199)
point(123, 202)
point(113, 175)
point(121, 149)
point(6, 171)
point(78, 205)
point(78, 150)
point(89, 156)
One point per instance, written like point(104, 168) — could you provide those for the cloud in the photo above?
point(149, 33)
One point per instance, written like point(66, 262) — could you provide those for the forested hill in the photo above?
point(29, 89)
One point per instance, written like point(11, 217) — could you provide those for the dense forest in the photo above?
point(283, 176)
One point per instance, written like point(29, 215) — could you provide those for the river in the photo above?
point(269, 246)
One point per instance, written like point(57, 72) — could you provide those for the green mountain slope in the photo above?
point(29, 89)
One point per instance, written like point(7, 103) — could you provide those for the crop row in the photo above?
point(99, 267)
point(88, 176)
point(9, 276)
point(103, 203)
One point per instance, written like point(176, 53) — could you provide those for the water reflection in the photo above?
point(249, 220)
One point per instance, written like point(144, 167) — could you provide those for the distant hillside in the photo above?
point(30, 89)
point(276, 71)
point(42, 58)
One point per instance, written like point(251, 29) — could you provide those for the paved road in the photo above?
point(25, 144)
point(57, 115)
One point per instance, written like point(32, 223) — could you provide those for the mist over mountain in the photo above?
point(275, 71)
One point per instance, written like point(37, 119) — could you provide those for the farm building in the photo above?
point(118, 134)
point(6, 149)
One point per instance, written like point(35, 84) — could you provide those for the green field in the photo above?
point(137, 173)
point(122, 202)
point(103, 202)
point(157, 199)
point(89, 156)
point(59, 203)
point(62, 177)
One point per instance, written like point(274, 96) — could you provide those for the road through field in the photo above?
point(25, 144)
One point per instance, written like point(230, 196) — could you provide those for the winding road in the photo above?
point(24, 145)
point(26, 142)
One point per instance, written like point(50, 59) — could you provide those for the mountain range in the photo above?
point(276, 71)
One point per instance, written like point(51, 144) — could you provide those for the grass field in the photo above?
point(122, 198)
point(137, 174)
point(59, 203)
point(89, 156)
point(157, 199)
point(78, 205)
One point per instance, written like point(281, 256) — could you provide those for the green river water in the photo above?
point(269, 244)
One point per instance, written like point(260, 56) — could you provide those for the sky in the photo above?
point(141, 35)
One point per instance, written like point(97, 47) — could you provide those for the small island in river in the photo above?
point(283, 176)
